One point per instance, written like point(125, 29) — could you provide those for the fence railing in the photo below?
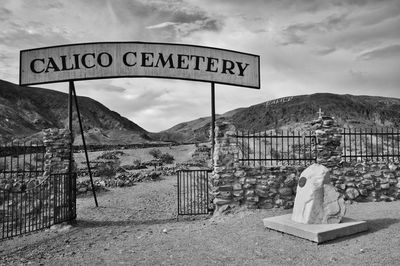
point(28, 206)
point(370, 144)
point(294, 147)
point(275, 148)
point(22, 160)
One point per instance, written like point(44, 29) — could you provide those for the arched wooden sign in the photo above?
point(138, 59)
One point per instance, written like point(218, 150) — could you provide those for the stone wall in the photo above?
point(233, 184)
point(368, 181)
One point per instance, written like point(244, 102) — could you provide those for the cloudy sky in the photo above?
point(306, 46)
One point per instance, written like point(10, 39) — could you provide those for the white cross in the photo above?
point(320, 113)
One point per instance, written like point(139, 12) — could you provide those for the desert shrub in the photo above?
point(108, 169)
point(167, 158)
point(156, 153)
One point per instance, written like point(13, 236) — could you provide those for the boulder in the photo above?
point(317, 201)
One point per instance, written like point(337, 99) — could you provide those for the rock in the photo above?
point(285, 191)
point(363, 192)
point(219, 201)
point(82, 190)
point(290, 181)
point(352, 193)
point(316, 200)
point(385, 186)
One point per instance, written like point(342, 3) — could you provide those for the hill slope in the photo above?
point(27, 110)
point(292, 112)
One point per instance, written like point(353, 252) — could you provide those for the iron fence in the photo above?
point(192, 192)
point(36, 204)
point(275, 148)
point(370, 144)
point(23, 160)
point(30, 201)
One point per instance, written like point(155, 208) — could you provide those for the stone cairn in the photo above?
point(328, 139)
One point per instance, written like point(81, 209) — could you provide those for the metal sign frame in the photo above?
point(124, 74)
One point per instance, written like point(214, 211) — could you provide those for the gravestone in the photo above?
point(317, 201)
point(318, 210)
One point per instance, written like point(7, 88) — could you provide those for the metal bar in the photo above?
point(398, 143)
point(72, 87)
point(259, 145)
point(392, 144)
point(212, 119)
point(178, 190)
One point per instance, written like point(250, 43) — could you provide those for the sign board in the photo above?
point(138, 59)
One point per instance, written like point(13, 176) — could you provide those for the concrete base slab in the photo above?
point(315, 232)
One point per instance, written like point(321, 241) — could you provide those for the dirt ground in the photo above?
point(138, 226)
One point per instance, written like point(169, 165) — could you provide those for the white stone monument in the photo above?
point(318, 210)
point(317, 201)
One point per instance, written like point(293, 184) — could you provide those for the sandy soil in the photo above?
point(138, 226)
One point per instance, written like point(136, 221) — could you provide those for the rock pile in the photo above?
point(123, 179)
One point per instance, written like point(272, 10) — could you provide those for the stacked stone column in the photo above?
point(328, 137)
point(225, 188)
point(57, 143)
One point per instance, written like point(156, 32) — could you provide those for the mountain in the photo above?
point(25, 111)
point(293, 112)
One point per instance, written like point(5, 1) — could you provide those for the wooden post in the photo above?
point(212, 121)
point(84, 143)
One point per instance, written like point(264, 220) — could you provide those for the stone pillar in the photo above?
point(57, 143)
point(328, 139)
point(225, 161)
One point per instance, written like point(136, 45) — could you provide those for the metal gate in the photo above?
point(192, 192)
point(28, 206)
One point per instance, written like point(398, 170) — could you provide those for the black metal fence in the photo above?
point(22, 160)
point(371, 144)
point(295, 147)
point(37, 204)
point(275, 148)
point(192, 192)
point(30, 201)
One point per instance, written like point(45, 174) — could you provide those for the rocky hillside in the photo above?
point(292, 112)
point(27, 110)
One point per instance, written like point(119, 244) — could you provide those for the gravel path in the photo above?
point(138, 226)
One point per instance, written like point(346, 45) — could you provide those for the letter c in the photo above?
point(124, 59)
point(33, 65)
point(83, 60)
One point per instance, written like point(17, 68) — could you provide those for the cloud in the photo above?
point(162, 25)
point(298, 33)
point(306, 46)
point(111, 88)
point(382, 53)
point(325, 50)
point(5, 14)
